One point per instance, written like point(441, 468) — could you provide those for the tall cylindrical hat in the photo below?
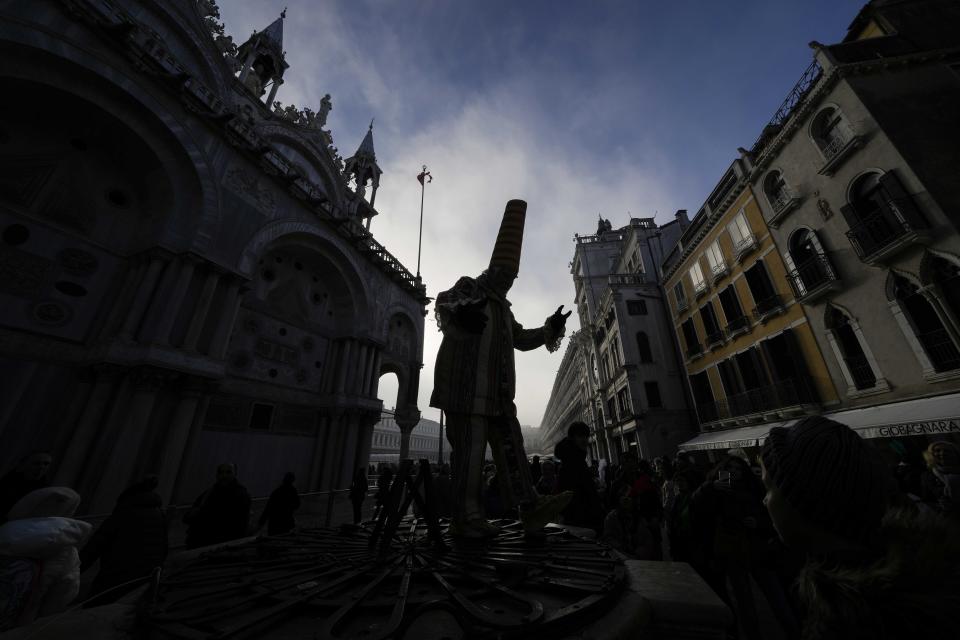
point(506, 251)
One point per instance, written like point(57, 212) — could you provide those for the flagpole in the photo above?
point(423, 188)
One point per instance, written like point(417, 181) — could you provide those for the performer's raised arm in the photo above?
point(550, 334)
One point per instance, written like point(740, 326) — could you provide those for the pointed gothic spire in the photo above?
point(273, 34)
point(366, 145)
point(362, 166)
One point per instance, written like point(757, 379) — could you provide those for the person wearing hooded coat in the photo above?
point(283, 503)
point(39, 541)
point(130, 544)
point(871, 571)
point(576, 476)
point(221, 513)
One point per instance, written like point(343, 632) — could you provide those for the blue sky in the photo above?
point(579, 108)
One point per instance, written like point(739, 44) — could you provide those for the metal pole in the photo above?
point(440, 456)
point(420, 237)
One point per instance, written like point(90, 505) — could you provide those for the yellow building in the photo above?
point(751, 358)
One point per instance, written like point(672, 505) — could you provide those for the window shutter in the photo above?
point(892, 186)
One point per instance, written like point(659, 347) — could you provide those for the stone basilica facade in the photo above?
point(187, 275)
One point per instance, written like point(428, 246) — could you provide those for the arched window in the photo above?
point(776, 190)
point(830, 131)
point(882, 216)
point(919, 319)
point(944, 275)
point(643, 346)
point(810, 270)
point(845, 339)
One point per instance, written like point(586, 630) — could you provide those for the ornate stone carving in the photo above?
point(251, 189)
point(51, 313)
point(78, 262)
point(23, 274)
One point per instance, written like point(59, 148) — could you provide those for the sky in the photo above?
point(580, 108)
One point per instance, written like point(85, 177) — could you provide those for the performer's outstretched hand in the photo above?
point(559, 319)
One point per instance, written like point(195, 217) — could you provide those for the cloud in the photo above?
point(523, 126)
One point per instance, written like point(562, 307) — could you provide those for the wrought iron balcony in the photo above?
point(768, 307)
point(738, 325)
point(743, 248)
point(885, 232)
point(718, 271)
point(682, 305)
point(782, 203)
point(838, 149)
point(700, 289)
point(813, 278)
point(626, 279)
point(714, 338)
point(769, 398)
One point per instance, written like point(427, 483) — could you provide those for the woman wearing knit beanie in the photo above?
point(871, 572)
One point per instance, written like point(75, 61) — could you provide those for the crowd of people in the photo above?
point(837, 545)
point(45, 550)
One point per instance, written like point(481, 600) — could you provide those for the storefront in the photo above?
point(901, 430)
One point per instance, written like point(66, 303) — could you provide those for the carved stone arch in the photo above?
point(830, 311)
point(316, 158)
point(183, 21)
point(891, 284)
point(188, 213)
point(312, 237)
point(927, 264)
point(850, 191)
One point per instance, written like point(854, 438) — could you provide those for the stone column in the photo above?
point(406, 422)
point(368, 370)
point(273, 91)
point(175, 442)
point(231, 304)
point(160, 305)
point(332, 450)
point(88, 426)
point(375, 376)
point(342, 366)
point(201, 311)
point(320, 445)
point(348, 452)
point(118, 471)
point(127, 292)
point(139, 305)
point(174, 302)
point(363, 370)
point(193, 440)
point(366, 425)
point(329, 367)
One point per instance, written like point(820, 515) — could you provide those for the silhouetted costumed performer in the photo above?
point(475, 384)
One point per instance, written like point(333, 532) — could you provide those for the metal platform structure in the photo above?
point(398, 577)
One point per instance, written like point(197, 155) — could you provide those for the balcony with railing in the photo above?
point(719, 270)
point(743, 247)
point(785, 398)
point(682, 305)
point(714, 338)
point(694, 350)
point(769, 307)
point(626, 279)
point(838, 148)
point(782, 202)
point(886, 232)
point(737, 326)
point(700, 290)
point(813, 279)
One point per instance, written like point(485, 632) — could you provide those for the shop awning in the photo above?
point(749, 436)
point(938, 415)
